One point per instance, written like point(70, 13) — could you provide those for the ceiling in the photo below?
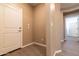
point(63, 5)
point(34, 4)
point(69, 5)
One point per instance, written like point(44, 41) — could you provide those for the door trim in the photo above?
point(22, 28)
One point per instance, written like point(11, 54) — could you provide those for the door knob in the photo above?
point(19, 27)
point(19, 30)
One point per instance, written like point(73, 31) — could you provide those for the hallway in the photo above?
point(70, 47)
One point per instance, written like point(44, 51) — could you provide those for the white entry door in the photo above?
point(12, 35)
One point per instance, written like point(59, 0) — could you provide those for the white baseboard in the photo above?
point(27, 45)
point(56, 52)
point(62, 40)
point(33, 43)
point(39, 44)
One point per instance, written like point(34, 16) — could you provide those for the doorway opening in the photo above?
point(70, 45)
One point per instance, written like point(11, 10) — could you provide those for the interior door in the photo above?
point(13, 28)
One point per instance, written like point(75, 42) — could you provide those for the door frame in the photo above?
point(67, 11)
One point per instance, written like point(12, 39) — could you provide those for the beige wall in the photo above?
point(55, 30)
point(40, 23)
point(27, 19)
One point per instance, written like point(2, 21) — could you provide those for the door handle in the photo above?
point(19, 30)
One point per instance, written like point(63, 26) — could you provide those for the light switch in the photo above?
point(51, 24)
point(28, 26)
